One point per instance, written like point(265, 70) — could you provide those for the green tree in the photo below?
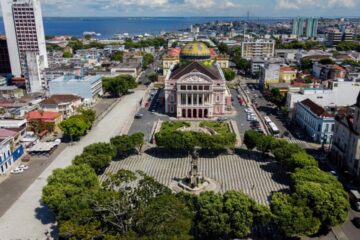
point(242, 212)
point(251, 138)
point(66, 183)
point(74, 127)
point(211, 222)
point(323, 192)
point(88, 37)
point(301, 160)
point(98, 156)
point(326, 61)
point(67, 55)
point(119, 85)
point(164, 217)
point(229, 74)
point(223, 48)
point(138, 141)
point(241, 63)
point(88, 115)
point(283, 151)
point(264, 143)
point(306, 64)
point(147, 60)
point(117, 56)
point(292, 218)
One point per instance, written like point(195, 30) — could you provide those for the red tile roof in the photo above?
point(4, 133)
point(43, 116)
point(318, 110)
point(60, 98)
point(287, 69)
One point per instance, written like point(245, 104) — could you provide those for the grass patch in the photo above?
point(171, 126)
point(221, 128)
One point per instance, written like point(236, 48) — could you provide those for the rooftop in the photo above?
point(45, 116)
point(74, 78)
point(211, 71)
point(60, 98)
point(316, 109)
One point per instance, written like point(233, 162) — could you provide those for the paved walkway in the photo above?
point(247, 173)
point(27, 218)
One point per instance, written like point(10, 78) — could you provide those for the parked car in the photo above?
point(23, 166)
point(139, 115)
point(17, 171)
point(357, 206)
point(356, 222)
point(248, 110)
point(222, 119)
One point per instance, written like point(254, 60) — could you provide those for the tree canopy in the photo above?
point(119, 85)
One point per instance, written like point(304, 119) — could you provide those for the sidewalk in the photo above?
point(27, 218)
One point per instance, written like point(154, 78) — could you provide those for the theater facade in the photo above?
point(196, 87)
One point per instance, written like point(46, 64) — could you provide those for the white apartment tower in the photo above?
point(26, 41)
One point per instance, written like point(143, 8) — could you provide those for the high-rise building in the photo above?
point(4, 56)
point(311, 27)
point(258, 48)
point(25, 34)
point(295, 26)
point(334, 37)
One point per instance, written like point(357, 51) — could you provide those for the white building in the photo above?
point(258, 48)
point(25, 34)
point(6, 159)
point(345, 150)
point(269, 74)
point(315, 121)
point(339, 93)
point(89, 87)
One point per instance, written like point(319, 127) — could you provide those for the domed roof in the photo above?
point(195, 50)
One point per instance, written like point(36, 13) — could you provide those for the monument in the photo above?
point(195, 182)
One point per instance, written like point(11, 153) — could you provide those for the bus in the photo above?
point(274, 129)
point(267, 120)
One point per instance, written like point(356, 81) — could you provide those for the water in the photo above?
point(108, 26)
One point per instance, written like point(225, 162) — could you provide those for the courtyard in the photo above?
point(244, 171)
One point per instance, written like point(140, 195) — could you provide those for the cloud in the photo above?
point(302, 4)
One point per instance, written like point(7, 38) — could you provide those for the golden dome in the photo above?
point(194, 51)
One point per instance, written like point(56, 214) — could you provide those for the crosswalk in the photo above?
point(298, 141)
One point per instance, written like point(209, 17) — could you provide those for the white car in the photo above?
point(248, 110)
point(24, 167)
point(17, 171)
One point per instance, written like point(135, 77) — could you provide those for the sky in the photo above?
point(272, 8)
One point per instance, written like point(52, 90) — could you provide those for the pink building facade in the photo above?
point(196, 91)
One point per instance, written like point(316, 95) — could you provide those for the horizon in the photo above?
point(205, 8)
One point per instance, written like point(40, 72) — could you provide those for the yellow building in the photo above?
point(193, 51)
point(287, 74)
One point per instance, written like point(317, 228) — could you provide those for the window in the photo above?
point(189, 100)
point(171, 108)
point(200, 88)
point(195, 88)
point(183, 99)
point(183, 87)
point(206, 87)
point(217, 98)
point(189, 87)
point(171, 98)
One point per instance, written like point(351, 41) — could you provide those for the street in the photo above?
point(27, 218)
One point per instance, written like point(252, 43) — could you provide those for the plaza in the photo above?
point(244, 171)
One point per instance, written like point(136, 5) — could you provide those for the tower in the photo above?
point(26, 39)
